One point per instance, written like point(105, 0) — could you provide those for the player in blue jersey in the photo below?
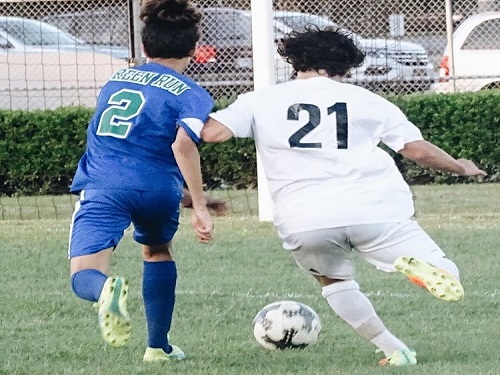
point(141, 149)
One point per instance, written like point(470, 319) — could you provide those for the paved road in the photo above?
point(48, 80)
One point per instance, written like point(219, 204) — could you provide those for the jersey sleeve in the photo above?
point(398, 130)
point(193, 112)
point(238, 117)
point(412, 133)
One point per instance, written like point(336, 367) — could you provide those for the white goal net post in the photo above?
point(264, 75)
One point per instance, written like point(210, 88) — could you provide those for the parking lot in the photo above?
point(60, 53)
point(52, 79)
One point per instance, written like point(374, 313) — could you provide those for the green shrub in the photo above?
point(39, 150)
point(465, 125)
point(230, 164)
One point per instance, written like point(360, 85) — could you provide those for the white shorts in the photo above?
point(327, 252)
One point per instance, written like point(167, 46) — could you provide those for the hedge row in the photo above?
point(464, 125)
point(39, 150)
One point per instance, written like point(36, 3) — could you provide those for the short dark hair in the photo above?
point(170, 28)
point(315, 49)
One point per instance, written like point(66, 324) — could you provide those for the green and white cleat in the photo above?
point(403, 357)
point(114, 320)
point(159, 355)
point(439, 283)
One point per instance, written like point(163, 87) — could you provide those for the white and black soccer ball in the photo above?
point(286, 325)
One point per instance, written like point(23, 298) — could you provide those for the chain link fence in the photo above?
point(238, 202)
point(59, 53)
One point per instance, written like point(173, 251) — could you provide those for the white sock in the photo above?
point(355, 309)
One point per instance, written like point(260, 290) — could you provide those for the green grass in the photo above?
point(45, 329)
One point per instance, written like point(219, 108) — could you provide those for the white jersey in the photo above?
point(318, 141)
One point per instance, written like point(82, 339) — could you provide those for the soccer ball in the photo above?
point(286, 325)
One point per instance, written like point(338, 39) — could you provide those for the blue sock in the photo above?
point(87, 284)
point(158, 291)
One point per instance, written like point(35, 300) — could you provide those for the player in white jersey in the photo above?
point(334, 190)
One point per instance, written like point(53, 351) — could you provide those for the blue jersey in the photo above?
point(129, 138)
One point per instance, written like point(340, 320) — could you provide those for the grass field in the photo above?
point(45, 329)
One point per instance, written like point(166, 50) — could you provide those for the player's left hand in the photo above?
point(470, 169)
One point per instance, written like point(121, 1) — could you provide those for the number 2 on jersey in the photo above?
point(124, 106)
point(314, 112)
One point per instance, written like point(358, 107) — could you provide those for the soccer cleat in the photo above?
point(403, 357)
point(159, 355)
point(439, 283)
point(114, 320)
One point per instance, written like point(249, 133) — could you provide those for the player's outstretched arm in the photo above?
point(214, 131)
point(188, 159)
point(429, 155)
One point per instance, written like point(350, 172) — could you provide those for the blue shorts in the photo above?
point(102, 215)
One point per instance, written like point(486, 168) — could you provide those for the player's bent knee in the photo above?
point(324, 281)
point(156, 253)
point(99, 261)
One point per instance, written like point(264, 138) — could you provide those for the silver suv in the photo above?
point(391, 65)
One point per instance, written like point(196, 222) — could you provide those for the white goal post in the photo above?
point(264, 75)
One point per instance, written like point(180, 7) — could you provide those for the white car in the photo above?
point(476, 56)
point(42, 67)
point(29, 35)
point(404, 65)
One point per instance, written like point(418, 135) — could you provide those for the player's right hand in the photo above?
point(203, 224)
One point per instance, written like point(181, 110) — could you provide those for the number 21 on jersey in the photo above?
point(340, 110)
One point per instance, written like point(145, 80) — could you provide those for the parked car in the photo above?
point(108, 25)
point(29, 35)
point(476, 56)
point(224, 54)
point(42, 67)
point(223, 58)
point(406, 64)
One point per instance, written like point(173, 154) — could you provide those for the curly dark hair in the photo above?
point(170, 28)
point(329, 49)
